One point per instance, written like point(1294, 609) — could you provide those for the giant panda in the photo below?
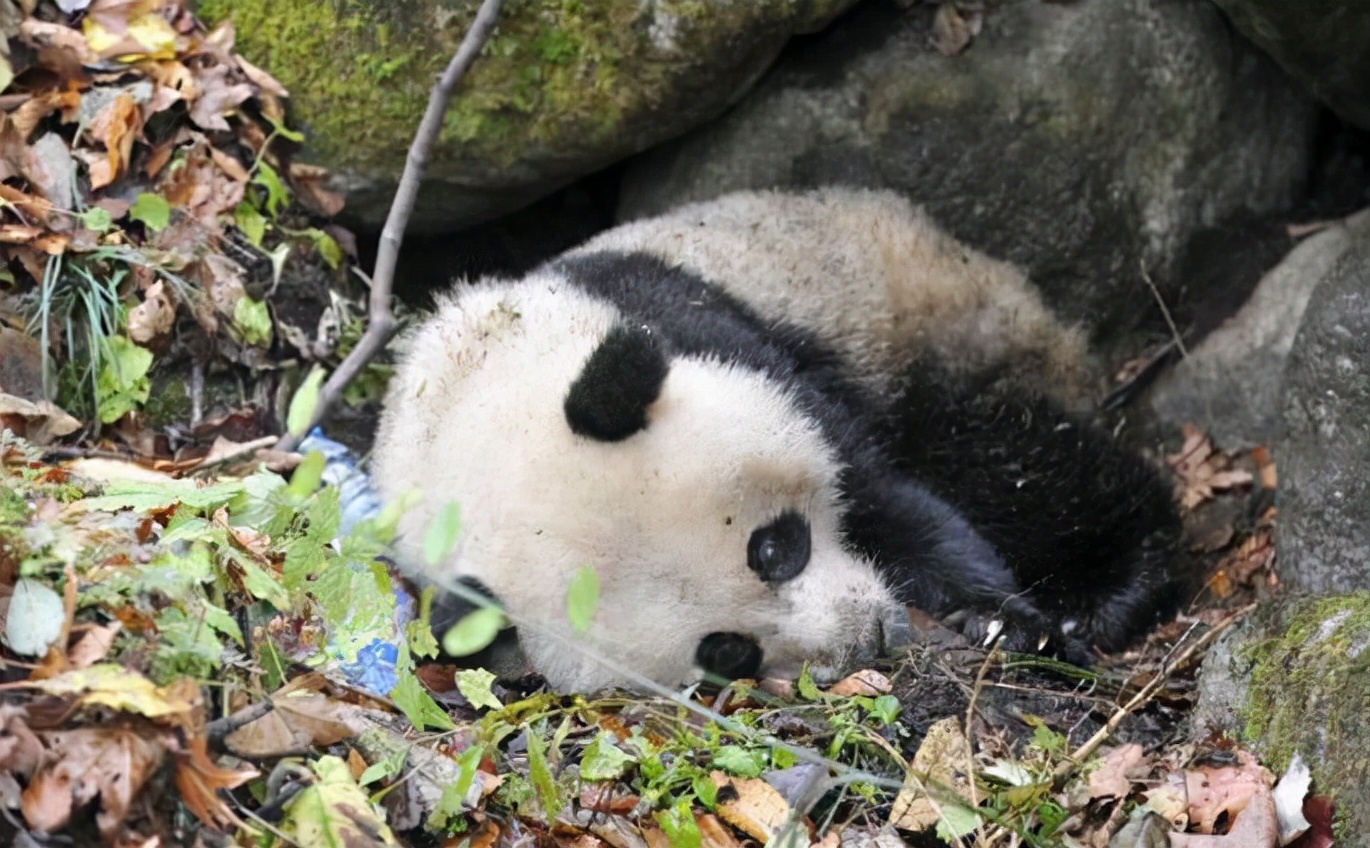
point(770, 422)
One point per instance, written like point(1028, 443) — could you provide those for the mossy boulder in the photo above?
point(1295, 678)
point(563, 87)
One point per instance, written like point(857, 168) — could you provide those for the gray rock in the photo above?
point(1290, 679)
point(1323, 537)
point(1324, 43)
point(561, 89)
point(1231, 384)
point(1083, 141)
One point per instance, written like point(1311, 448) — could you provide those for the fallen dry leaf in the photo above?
point(1215, 792)
point(198, 779)
point(1201, 470)
point(1110, 780)
point(751, 805)
point(1255, 827)
point(154, 317)
point(936, 776)
point(110, 764)
point(868, 683)
point(93, 645)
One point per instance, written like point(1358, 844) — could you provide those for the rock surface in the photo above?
point(562, 89)
point(1291, 678)
point(1323, 537)
point(1324, 43)
point(1232, 383)
point(1083, 141)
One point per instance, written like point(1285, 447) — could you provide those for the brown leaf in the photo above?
point(311, 184)
point(867, 682)
point(953, 30)
point(116, 127)
point(94, 645)
point(41, 422)
point(1256, 826)
point(751, 805)
point(217, 98)
point(199, 779)
point(1111, 780)
point(154, 317)
point(108, 763)
point(1215, 792)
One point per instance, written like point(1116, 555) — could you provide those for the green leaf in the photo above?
point(251, 222)
point(603, 760)
point(955, 821)
point(97, 219)
point(419, 634)
point(885, 710)
point(333, 811)
point(474, 632)
point(474, 685)
point(549, 798)
point(582, 598)
point(678, 823)
point(416, 704)
point(303, 404)
point(328, 248)
point(308, 474)
point(151, 209)
point(389, 766)
point(441, 536)
point(252, 320)
point(808, 690)
point(142, 496)
point(261, 584)
point(277, 195)
point(739, 761)
point(122, 383)
point(705, 790)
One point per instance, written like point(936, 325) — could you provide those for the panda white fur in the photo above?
point(752, 418)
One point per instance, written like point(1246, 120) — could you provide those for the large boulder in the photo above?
point(1290, 680)
point(562, 89)
point(1324, 43)
point(1323, 537)
point(1087, 142)
point(1232, 383)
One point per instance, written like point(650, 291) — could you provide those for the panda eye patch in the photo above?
point(779, 551)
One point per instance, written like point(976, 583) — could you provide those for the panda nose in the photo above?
point(729, 655)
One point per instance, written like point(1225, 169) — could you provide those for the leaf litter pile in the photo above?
point(201, 644)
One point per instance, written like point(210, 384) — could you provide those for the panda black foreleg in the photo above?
point(932, 559)
point(1087, 527)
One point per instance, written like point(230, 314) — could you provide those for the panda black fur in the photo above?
point(767, 421)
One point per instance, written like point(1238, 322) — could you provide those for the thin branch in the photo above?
point(1165, 312)
point(381, 321)
point(1068, 767)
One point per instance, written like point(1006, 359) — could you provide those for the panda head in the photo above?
point(707, 503)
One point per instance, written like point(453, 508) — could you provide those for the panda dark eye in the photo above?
point(779, 551)
point(729, 655)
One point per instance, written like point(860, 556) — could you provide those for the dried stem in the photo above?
point(381, 321)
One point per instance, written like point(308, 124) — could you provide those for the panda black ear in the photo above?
point(608, 401)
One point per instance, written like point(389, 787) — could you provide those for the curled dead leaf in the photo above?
point(154, 317)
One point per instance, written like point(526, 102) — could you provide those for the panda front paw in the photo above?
point(1020, 631)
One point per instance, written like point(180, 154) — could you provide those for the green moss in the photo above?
point(1309, 687)
point(550, 78)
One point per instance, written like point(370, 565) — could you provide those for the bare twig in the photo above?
point(217, 729)
point(381, 321)
point(1165, 311)
point(1063, 772)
